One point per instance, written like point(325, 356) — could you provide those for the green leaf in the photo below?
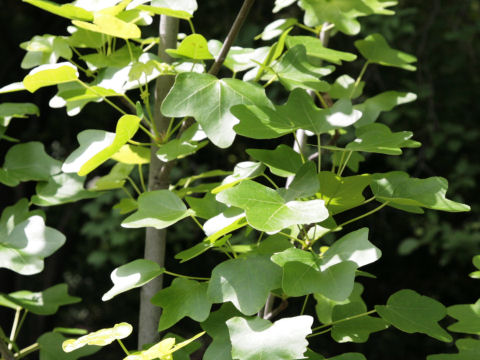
point(276, 28)
point(239, 59)
point(378, 138)
point(97, 146)
point(27, 162)
point(132, 154)
point(158, 209)
point(343, 13)
point(266, 210)
point(206, 207)
point(182, 298)
point(9, 111)
point(468, 349)
point(244, 281)
point(342, 193)
point(282, 161)
point(178, 149)
point(398, 188)
point(336, 282)
point(316, 49)
point(209, 101)
point(101, 337)
point(68, 11)
point(257, 338)
point(245, 170)
point(46, 49)
point(48, 75)
point(165, 11)
point(375, 49)
point(61, 189)
point(110, 25)
point(51, 348)
point(343, 87)
point(386, 101)
point(119, 58)
point(299, 112)
point(349, 356)
point(75, 96)
point(126, 205)
point(193, 47)
point(45, 302)
point(215, 326)
point(132, 275)
point(355, 330)
point(115, 179)
point(410, 312)
point(81, 38)
point(304, 184)
point(467, 316)
point(280, 4)
point(353, 247)
point(295, 71)
point(25, 240)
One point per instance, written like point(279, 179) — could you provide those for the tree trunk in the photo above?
point(158, 178)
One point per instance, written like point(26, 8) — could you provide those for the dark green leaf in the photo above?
point(410, 312)
point(51, 348)
point(315, 48)
point(182, 298)
point(467, 316)
point(468, 349)
point(344, 86)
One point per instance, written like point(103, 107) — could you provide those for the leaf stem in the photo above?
point(142, 181)
point(185, 276)
point(299, 146)
point(13, 331)
point(319, 145)
point(345, 319)
point(135, 187)
point(321, 99)
point(27, 351)
point(359, 78)
point(270, 181)
point(304, 304)
point(103, 97)
point(364, 215)
point(123, 347)
point(19, 327)
point(196, 221)
point(293, 238)
point(344, 165)
point(4, 350)
point(319, 333)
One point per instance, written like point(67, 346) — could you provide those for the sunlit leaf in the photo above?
point(61, 189)
point(68, 11)
point(410, 312)
point(132, 275)
point(158, 209)
point(48, 75)
point(266, 210)
point(257, 338)
point(467, 316)
point(110, 25)
point(344, 87)
point(132, 154)
point(46, 49)
point(100, 338)
point(193, 47)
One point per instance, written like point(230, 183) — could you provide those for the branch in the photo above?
point(5, 352)
point(237, 25)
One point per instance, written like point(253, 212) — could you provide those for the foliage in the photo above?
point(290, 212)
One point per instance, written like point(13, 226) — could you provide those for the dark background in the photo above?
point(442, 34)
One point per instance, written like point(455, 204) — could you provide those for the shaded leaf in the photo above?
point(132, 275)
point(209, 101)
point(410, 312)
point(245, 281)
point(342, 193)
point(9, 111)
point(386, 101)
point(344, 86)
point(158, 209)
point(467, 316)
point(282, 161)
point(257, 338)
point(315, 48)
point(46, 49)
point(44, 302)
point(304, 184)
point(182, 298)
point(295, 71)
point(468, 349)
point(400, 189)
point(51, 348)
point(115, 179)
point(27, 162)
point(355, 330)
point(375, 49)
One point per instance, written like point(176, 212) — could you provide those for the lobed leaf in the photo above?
point(48, 75)
point(101, 337)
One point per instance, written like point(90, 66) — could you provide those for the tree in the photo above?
point(279, 219)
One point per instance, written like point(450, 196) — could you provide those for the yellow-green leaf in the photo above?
point(110, 25)
point(48, 75)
